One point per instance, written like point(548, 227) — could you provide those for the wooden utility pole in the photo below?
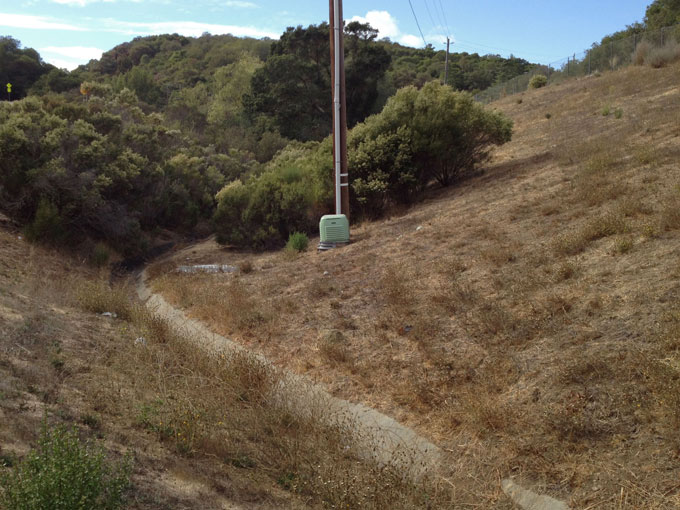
point(446, 64)
point(341, 180)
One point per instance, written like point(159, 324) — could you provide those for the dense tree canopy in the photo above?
point(293, 88)
point(662, 13)
point(20, 67)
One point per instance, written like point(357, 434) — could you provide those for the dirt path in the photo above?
point(381, 437)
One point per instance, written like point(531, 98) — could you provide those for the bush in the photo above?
point(100, 255)
point(664, 55)
point(297, 241)
point(538, 81)
point(47, 225)
point(433, 133)
point(64, 474)
point(294, 190)
point(641, 52)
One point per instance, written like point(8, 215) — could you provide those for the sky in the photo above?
point(67, 33)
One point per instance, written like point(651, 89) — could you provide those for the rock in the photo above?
point(528, 500)
point(140, 341)
point(419, 227)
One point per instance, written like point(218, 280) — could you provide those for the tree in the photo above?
point(662, 13)
point(20, 67)
point(294, 87)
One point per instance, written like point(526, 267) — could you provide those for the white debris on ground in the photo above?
point(208, 268)
point(113, 315)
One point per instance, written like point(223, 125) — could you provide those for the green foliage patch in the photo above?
point(62, 473)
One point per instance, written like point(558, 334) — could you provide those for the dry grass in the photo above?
point(518, 327)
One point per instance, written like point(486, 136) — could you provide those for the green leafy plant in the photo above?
point(538, 81)
point(62, 473)
point(297, 241)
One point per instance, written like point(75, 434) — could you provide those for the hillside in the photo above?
point(526, 319)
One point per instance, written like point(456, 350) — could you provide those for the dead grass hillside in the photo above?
point(525, 319)
point(63, 363)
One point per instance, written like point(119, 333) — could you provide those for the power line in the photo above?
point(434, 27)
point(446, 23)
point(417, 24)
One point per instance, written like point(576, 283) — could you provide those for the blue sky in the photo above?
point(71, 32)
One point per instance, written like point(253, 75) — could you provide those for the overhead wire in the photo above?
point(434, 25)
point(446, 23)
point(417, 24)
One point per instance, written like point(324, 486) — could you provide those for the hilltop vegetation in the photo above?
point(145, 137)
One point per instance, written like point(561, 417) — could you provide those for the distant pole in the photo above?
point(446, 63)
point(339, 109)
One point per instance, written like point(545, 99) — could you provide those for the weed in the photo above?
point(297, 242)
point(650, 230)
point(63, 473)
point(566, 270)
point(100, 255)
point(333, 347)
point(321, 287)
point(8, 460)
point(98, 297)
point(618, 113)
point(91, 420)
point(548, 115)
point(606, 110)
point(537, 81)
point(396, 286)
point(645, 154)
point(623, 244)
point(246, 267)
point(664, 55)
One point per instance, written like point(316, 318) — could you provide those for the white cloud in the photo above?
point(79, 3)
point(81, 53)
point(387, 26)
point(35, 22)
point(241, 4)
point(410, 40)
point(383, 21)
point(187, 28)
point(63, 64)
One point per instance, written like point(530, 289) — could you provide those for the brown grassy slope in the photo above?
point(81, 369)
point(525, 319)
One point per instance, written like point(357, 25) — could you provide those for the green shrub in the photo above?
point(100, 255)
point(64, 474)
point(290, 195)
point(297, 241)
point(47, 225)
point(618, 113)
point(537, 81)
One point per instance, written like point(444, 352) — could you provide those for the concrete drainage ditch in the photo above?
point(385, 439)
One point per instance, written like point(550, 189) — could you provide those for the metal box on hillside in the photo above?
point(334, 228)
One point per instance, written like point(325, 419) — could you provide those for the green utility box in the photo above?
point(334, 228)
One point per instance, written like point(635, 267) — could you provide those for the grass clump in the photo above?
point(64, 474)
point(100, 255)
point(297, 242)
point(663, 55)
point(538, 81)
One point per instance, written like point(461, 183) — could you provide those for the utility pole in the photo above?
point(446, 64)
point(339, 109)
